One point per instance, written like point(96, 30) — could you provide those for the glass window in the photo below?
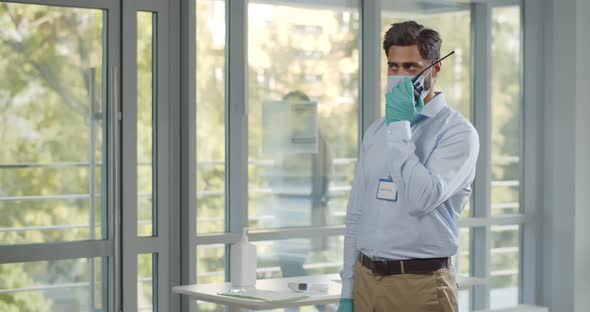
point(64, 285)
point(52, 170)
point(462, 260)
point(303, 129)
point(210, 95)
point(299, 257)
point(210, 264)
point(506, 110)
point(145, 123)
point(146, 275)
point(462, 263)
point(210, 269)
point(505, 255)
point(303, 112)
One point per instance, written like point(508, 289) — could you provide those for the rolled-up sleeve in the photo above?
point(450, 167)
point(353, 216)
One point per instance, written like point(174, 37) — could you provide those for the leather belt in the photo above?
point(395, 267)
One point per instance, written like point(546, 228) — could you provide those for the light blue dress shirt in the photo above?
point(432, 162)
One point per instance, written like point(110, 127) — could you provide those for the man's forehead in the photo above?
point(405, 54)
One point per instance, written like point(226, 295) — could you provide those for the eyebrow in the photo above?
point(405, 64)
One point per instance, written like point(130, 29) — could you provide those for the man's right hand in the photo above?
point(346, 305)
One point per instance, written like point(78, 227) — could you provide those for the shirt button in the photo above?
point(388, 131)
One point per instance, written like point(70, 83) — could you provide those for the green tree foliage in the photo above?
point(13, 277)
point(47, 57)
point(506, 132)
point(210, 119)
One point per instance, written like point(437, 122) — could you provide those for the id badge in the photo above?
point(387, 190)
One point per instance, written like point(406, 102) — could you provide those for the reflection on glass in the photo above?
point(63, 285)
point(299, 257)
point(467, 210)
point(146, 268)
point(145, 123)
point(210, 264)
point(210, 76)
point(505, 266)
point(453, 22)
point(303, 120)
point(52, 124)
point(506, 110)
point(462, 260)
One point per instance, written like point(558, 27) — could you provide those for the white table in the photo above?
point(209, 292)
point(520, 308)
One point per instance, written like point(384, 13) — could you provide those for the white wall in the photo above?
point(565, 283)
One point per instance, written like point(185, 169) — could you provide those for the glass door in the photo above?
point(57, 163)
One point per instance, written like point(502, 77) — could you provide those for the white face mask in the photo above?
point(393, 81)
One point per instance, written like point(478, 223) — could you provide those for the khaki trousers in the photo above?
point(432, 292)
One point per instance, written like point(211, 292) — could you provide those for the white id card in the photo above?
point(387, 190)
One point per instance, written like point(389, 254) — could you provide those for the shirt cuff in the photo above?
point(399, 131)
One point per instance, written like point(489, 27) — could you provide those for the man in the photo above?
point(412, 181)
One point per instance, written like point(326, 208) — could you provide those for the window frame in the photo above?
point(525, 219)
point(160, 245)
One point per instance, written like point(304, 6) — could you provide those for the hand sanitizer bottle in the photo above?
point(243, 262)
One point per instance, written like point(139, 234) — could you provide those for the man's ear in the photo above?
point(436, 69)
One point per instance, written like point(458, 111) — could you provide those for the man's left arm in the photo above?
point(449, 167)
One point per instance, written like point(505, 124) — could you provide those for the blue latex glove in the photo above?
point(400, 103)
point(346, 305)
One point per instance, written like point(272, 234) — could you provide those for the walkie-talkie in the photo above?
point(419, 85)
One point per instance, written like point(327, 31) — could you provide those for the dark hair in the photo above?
point(411, 33)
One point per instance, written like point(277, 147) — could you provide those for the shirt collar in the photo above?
point(436, 104)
